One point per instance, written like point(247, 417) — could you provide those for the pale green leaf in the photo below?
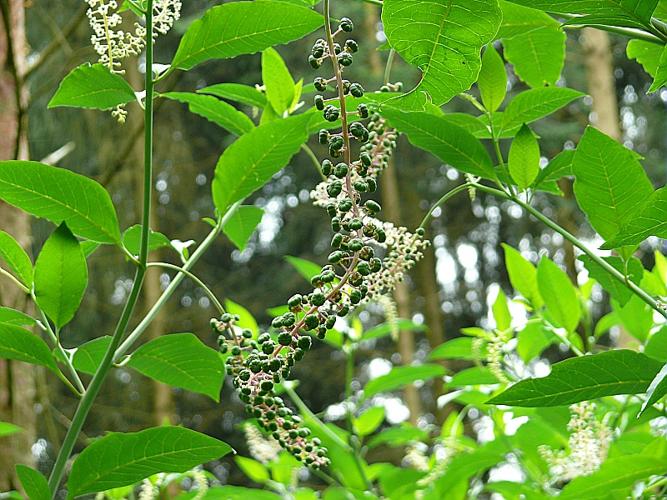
point(255, 157)
point(443, 39)
point(246, 319)
point(181, 360)
point(501, 312)
point(477, 375)
point(242, 224)
point(22, 345)
point(459, 348)
point(34, 483)
point(610, 183)
point(645, 53)
point(534, 339)
point(560, 166)
point(660, 73)
point(61, 276)
point(538, 56)
point(244, 94)
point(120, 459)
point(523, 275)
point(492, 80)
point(369, 421)
point(401, 376)
point(398, 436)
point(13, 317)
point(531, 105)
point(16, 258)
point(656, 347)
point(237, 28)
point(450, 143)
point(617, 290)
point(88, 356)
point(7, 429)
point(524, 158)
point(253, 469)
point(279, 84)
point(132, 240)
point(650, 220)
point(214, 110)
point(559, 294)
point(304, 267)
point(92, 87)
point(60, 195)
point(584, 378)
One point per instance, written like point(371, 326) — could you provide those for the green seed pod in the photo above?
point(236, 350)
point(275, 365)
point(356, 224)
point(331, 113)
point(331, 210)
point(284, 338)
point(420, 232)
point(336, 143)
point(363, 268)
point(244, 375)
point(328, 277)
point(380, 235)
point(336, 240)
point(335, 257)
point(267, 347)
point(355, 245)
point(327, 167)
point(277, 322)
point(224, 348)
point(255, 367)
point(330, 322)
point(361, 186)
point(345, 205)
point(335, 224)
point(372, 185)
point(316, 280)
point(366, 159)
point(355, 296)
point(289, 319)
point(317, 50)
point(346, 25)
point(337, 48)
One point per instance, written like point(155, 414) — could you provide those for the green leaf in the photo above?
point(501, 312)
point(245, 94)
point(277, 80)
point(233, 493)
point(531, 105)
point(237, 28)
point(246, 320)
point(656, 347)
point(450, 143)
point(610, 183)
point(21, 345)
point(368, 422)
point(132, 240)
point(442, 41)
point(34, 483)
point(92, 87)
point(534, 339)
point(59, 195)
point(534, 44)
point(398, 436)
point(401, 376)
point(616, 289)
point(630, 13)
point(559, 167)
point(61, 276)
point(242, 224)
point(650, 220)
point(390, 327)
point(88, 356)
point(645, 53)
point(304, 267)
point(523, 276)
point(615, 475)
point(656, 389)
point(524, 158)
point(255, 157)
point(492, 80)
point(120, 459)
point(181, 360)
point(253, 469)
point(466, 465)
point(13, 317)
point(16, 258)
point(7, 429)
point(560, 296)
point(459, 348)
point(477, 375)
point(214, 110)
point(584, 378)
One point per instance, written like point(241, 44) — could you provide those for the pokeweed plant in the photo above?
point(584, 451)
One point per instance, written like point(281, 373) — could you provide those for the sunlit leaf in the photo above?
point(242, 224)
point(16, 258)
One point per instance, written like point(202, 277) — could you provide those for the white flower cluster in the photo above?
point(165, 14)
point(416, 458)
point(200, 483)
point(494, 353)
point(261, 448)
point(588, 443)
point(148, 490)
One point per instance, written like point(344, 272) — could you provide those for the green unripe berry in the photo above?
point(356, 90)
point(345, 59)
point(335, 257)
point(331, 113)
point(346, 25)
point(351, 46)
point(356, 224)
point(267, 347)
point(363, 110)
point(319, 102)
point(341, 170)
point(289, 319)
point(355, 245)
point(275, 365)
point(314, 62)
point(335, 224)
point(317, 299)
point(345, 205)
point(334, 189)
point(361, 186)
point(328, 277)
point(327, 166)
point(226, 318)
point(336, 143)
point(366, 159)
point(320, 84)
point(372, 185)
point(330, 323)
point(372, 207)
point(236, 350)
point(355, 296)
point(295, 301)
point(343, 311)
point(264, 337)
point(284, 339)
point(311, 321)
point(305, 343)
point(336, 240)
point(298, 354)
point(247, 334)
point(323, 137)
point(364, 269)
point(331, 210)
point(380, 235)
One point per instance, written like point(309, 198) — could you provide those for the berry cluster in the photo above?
point(354, 272)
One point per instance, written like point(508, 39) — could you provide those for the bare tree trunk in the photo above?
point(163, 401)
point(17, 380)
point(391, 201)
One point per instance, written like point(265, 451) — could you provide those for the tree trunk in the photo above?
point(17, 380)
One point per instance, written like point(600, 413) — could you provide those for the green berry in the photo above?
point(341, 170)
point(356, 90)
point(334, 189)
point(346, 25)
point(345, 59)
point(372, 207)
point(284, 338)
point(311, 321)
point(317, 299)
point(305, 343)
point(351, 46)
point(295, 301)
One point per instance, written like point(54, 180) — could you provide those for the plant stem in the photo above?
point(316, 163)
point(166, 295)
point(617, 275)
point(14, 279)
point(389, 66)
point(194, 278)
point(449, 195)
point(91, 393)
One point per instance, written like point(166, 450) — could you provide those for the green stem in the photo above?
point(93, 390)
point(314, 160)
point(14, 279)
point(449, 195)
point(617, 275)
point(389, 66)
point(169, 291)
point(374, 2)
point(194, 278)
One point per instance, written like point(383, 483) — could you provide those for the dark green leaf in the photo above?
point(16, 318)
point(240, 227)
point(132, 240)
point(255, 157)
point(214, 110)
point(181, 360)
point(559, 295)
point(584, 378)
point(650, 220)
point(610, 183)
point(492, 80)
point(656, 389)
point(245, 94)
point(120, 459)
point(237, 28)
point(616, 289)
point(440, 39)
point(233, 493)
point(88, 356)
point(16, 258)
point(92, 87)
point(60, 195)
point(656, 347)
point(450, 143)
point(531, 105)
point(21, 345)
point(524, 158)
point(401, 376)
point(61, 276)
point(34, 484)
